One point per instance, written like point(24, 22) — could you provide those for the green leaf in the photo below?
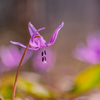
point(6, 92)
point(86, 80)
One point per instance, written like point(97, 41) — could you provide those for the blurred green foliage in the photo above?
point(86, 80)
point(23, 87)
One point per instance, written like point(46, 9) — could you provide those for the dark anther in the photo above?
point(42, 59)
point(42, 53)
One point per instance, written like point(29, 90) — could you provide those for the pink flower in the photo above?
point(90, 52)
point(37, 41)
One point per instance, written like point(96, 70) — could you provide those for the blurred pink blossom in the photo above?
point(11, 55)
point(90, 52)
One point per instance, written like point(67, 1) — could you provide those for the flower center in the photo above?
point(43, 54)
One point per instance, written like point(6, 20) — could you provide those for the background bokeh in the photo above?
point(81, 17)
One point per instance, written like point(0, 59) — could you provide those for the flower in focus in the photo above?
point(10, 56)
point(39, 66)
point(37, 41)
point(90, 52)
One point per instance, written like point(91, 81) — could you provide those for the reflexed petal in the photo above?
point(17, 43)
point(33, 30)
point(37, 41)
point(40, 29)
point(54, 36)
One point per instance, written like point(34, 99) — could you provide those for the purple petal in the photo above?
point(54, 36)
point(40, 29)
point(33, 30)
point(17, 43)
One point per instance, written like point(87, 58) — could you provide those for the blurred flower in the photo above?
point(41, 67)
point(90, 52)
point(36, 41)
point(10, 56)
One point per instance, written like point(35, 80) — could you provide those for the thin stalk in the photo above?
point(13, 95)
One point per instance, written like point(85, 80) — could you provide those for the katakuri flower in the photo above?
point(37, 41)
point(90, 52)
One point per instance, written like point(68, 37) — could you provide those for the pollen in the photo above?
point(37, 36)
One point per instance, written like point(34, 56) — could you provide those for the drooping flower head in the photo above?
point(37, 41)
point(90, 52)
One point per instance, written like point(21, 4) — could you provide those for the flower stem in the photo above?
point(14, 88)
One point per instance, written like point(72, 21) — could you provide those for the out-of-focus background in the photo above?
point(81, 17)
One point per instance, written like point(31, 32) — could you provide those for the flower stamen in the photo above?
point(44, 56)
